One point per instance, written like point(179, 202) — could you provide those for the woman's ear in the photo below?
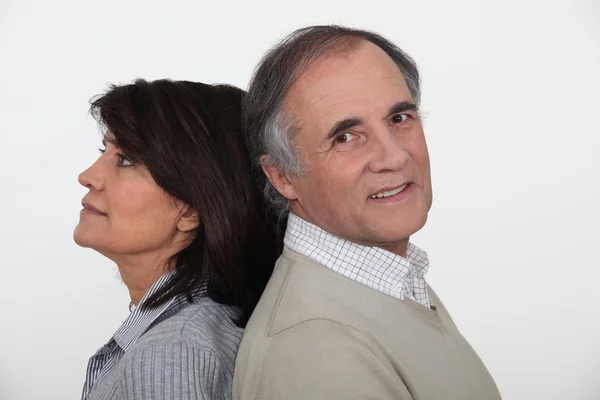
point(189, 220)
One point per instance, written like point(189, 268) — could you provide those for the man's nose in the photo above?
point(389, 154)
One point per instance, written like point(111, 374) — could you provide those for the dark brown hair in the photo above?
point(188, 136)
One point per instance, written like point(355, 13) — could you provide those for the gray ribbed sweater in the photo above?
point(189, 355)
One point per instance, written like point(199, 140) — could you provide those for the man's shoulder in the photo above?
point(303, 327)
point(302, 290)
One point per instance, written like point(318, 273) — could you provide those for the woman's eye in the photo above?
point(101, 150)
point(343, 138)
point(124, 161)
point(399, 118)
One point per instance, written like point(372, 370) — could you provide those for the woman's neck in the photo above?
point(139, 274)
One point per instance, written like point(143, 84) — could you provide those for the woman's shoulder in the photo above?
point(197, 346)
point(203, 325)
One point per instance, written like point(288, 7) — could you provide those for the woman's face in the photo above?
point(125, 212)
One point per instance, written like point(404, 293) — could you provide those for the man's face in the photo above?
point(361, 141)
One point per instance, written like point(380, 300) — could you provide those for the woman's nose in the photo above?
point(92, 177)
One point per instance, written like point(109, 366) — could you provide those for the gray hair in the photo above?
point(270, 131)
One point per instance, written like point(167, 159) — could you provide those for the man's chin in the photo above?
point(400, 229)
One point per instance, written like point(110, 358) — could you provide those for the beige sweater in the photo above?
point(318, 335)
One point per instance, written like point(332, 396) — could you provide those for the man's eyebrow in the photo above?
point(402, 107)
point(342, 125)
point(348, 123)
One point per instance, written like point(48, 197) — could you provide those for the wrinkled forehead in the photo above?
point(362, 83)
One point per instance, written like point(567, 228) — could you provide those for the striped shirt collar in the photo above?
point(373, 267)
point(135, 325)
point(140, 319)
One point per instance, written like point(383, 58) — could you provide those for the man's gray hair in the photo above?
point(270, 131)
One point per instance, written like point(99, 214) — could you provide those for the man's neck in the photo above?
point(399, 247)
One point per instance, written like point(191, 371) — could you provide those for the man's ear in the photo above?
point(279, 180)
point(189, 220)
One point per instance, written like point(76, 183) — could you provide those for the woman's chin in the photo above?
point(82, 238)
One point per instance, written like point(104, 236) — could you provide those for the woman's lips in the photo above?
point(90, 209)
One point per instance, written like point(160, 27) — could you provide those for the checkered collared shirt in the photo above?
point(374, 267)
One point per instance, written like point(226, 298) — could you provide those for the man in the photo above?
point(332, 115)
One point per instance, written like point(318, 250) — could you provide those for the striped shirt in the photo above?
point(100, 380)
point(373, 267)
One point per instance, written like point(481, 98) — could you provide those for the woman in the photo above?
point(172, 203)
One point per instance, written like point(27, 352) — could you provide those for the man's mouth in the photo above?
point(389, 193)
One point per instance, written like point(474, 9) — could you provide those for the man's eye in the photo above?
point(343, 138)
point(399, 118)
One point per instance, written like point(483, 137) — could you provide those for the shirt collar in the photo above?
point(140, 319)
point(374, 267)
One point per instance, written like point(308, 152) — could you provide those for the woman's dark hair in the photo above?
point(189, 137)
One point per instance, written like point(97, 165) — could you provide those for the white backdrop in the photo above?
point(511, 97)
